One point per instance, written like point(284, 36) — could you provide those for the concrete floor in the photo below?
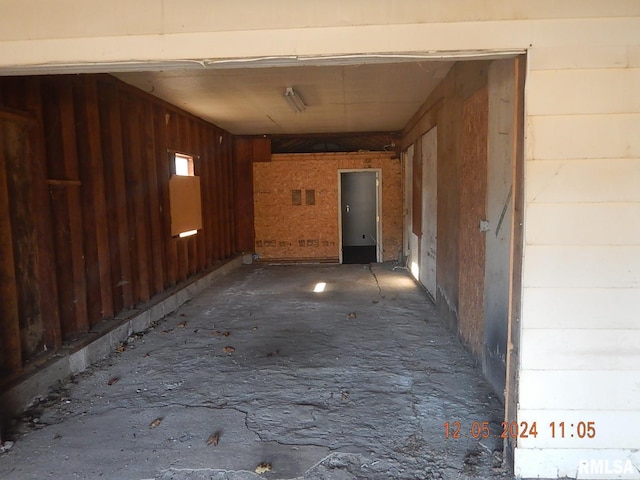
point(352, 383)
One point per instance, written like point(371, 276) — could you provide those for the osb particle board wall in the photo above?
point(289, 228)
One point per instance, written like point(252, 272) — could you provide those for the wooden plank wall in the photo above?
point(84, 205)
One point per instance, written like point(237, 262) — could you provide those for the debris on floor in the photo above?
point(213, 439)
point(263, 468)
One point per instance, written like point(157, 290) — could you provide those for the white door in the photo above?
point(428, 241)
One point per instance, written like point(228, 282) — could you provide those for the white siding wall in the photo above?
point(580, 354)
point(580, 321)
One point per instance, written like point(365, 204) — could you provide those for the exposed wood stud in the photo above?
point(41, 208)
point(100, 292)
point(150, 149)
point(10, 355)
point(110, 123)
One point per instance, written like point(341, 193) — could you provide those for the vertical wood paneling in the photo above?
point(41, 208)
point(217, 183)
point(137, 204)
point(165, 169)
point(94, 208)
point(246, 151)
point(98, 223)
point(199, 141)
point(190, 146)
point(18, 163)
point(177, 142)
point(116, 195)
point(228, 195)
point(70, 160)
point(10, 354)
point(151, 149)
point(205, 165)
point(60, 136)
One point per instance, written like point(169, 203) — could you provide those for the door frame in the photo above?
point(378, 172)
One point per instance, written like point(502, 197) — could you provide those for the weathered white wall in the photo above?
point(499, 210)
point(428, 241)
point(411, 239)
point(580, 359)
point(580, 321)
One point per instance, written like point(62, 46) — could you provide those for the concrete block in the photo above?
point(140, 322)
point(78, 361)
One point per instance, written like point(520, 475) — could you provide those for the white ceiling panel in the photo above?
point(372, 97)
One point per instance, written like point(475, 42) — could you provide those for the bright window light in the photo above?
point(184, 165)
point(415, 270)
point(188, 233)
point(319, 288)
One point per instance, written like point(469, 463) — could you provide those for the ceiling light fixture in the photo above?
point(294, 100)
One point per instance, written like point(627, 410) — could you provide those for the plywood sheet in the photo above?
point(473, 193)
point(296, 204)
point(186, 207)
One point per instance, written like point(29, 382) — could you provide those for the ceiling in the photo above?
point(365, 97)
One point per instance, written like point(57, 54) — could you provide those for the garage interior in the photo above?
point(87, 205)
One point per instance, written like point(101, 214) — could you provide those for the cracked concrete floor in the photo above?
point(355, 382)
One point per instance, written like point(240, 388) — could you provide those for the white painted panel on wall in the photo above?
point(580, 349)
point(613, 90)
point(407, 164)
point(584, 136)
point(583, 181)
point(585, 32)
point(428, 241)
point(413, 262)
point(579, 390)
point(602, 308)
point(605, 428)
point(579, 267)
point(564, 58)
point(583, 224)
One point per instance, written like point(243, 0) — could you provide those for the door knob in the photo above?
point(347, 208)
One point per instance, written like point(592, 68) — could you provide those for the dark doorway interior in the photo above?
point(363, 255)
point(359, 217)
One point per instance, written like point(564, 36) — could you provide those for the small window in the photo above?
point(184, 165)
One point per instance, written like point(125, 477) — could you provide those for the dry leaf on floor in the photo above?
point(183, 314)
point(345, 395)
point(351, 315)
point(226, 334)
point(255, 328)
point(182, 324)
point(121, 348)
point(156, 422)
point(229, 349)
point(113, 380)
point(263, 468)
point(216, 332)
point(213, 439)
point(168, 330)
point(275, 353)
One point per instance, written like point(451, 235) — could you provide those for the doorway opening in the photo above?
point(359, 216)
